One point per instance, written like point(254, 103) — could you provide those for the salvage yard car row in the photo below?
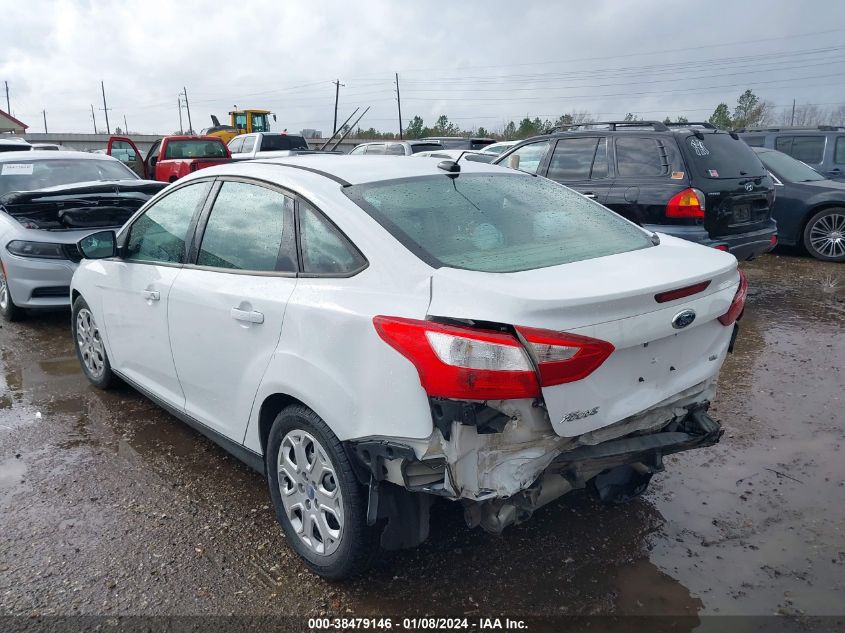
point(374, 333)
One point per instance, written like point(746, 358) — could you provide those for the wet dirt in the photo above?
point(108, 505)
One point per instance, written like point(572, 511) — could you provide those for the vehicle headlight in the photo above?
point(43, 250)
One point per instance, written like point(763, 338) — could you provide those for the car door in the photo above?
point(580, 162)
point(837, 171)
point(645, 177)
point(227, 306)
point(136, 288)
point(151, 161)
point(127, 152)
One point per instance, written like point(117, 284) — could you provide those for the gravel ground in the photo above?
point(109, 506)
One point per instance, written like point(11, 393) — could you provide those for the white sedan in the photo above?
point(373, 333)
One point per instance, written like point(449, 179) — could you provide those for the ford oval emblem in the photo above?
point(683, 319)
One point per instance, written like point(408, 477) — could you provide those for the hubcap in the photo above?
point(4, 292)
point(310, 492)
point(827, 235)
point(90, 344)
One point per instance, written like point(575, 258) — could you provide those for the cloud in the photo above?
point(481, 63)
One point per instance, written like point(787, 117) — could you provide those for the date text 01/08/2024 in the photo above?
point(415, 624)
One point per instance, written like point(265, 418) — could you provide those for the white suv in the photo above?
point(373, 333)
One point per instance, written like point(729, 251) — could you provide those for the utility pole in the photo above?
point(399, 104)
point(181, 129)
point(105, 108)
point(125, 125)
point(44, 114)
point(792, 118)
point(8, 107)
point(93, 118)
point(188, 108)
point(337, 86)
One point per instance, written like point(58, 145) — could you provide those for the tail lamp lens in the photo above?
point(563, 357)
point(738, 303)
point(689, 203)
point(477, 364)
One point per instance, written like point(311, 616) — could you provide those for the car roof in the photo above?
point(348, 169)
point(30, 155)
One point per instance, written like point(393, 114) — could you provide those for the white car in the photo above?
point(457, 154)
point(499, 148)
point(374, 333)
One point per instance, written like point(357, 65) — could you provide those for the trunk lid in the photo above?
point(613, 299)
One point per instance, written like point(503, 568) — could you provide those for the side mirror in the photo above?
point(513, 161)
point(98, 245)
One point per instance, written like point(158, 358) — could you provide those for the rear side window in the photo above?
point(528, 157)
point(495, 222)
point(159, 234)
point(325, 251)
point(280, 142)
point(572, 159)
point(236, 144)
point(719, 155)
point(249, 144)
point(244, 230)
point(377, 148)
point(808, 149)
point(839, 154)
point(640, 157)
point(395, 149)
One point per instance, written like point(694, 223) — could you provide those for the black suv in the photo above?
point(688, 180)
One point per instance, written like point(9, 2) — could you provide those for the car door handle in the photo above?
point(249, 316)
point(590, 195)
point(151, 295)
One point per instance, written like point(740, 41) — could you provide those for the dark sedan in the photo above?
point(809, 208)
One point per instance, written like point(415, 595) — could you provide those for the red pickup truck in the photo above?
point(170, 157)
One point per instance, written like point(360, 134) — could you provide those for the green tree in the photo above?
point(631, 117)
point(415, 128)
point(444, 128)
point(721, 117)
point(509, 133)
point(750, 110)
point(483, 133)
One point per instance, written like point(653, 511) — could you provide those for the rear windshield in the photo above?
point(28, 175)
point(424, 147)
point(198, 148)
point(495, 222)
point(722, 156)
point(788, 169)
point(282, 142)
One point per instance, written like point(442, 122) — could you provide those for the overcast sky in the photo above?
point(479, 62)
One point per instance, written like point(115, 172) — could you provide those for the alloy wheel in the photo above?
point(90, 344)
point(827, 235)
point(310, 492)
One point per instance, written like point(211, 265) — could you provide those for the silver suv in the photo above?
point(396, 148)
point(821, 147)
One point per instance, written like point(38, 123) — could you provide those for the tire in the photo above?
point(824, 235)
point(336, 542)
point(89, 346)
point(9, 311)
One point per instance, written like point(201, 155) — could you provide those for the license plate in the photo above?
point(742, 213)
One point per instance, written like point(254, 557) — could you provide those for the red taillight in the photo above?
point(687, 204)
point(562, 357)
point(680, 293)
point(462, 362)
point(722, 247)
point(476, 364)
point(773, 240)
point(738, 303)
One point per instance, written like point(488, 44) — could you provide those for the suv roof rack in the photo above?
point(795, 128)
point(704, 124)
point(657, 126)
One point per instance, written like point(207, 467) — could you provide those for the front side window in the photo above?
point(395, 149)
point(495, 222)
point(123, 151)
point(640, 157)
point(244, 229)
point(375, 148)
point(236, 144)
point(528, 157)
point(159, 234)
point(839, 154)
point(259, 123)
point(572, 159)
point(359, 150)
point(240, 120)
point(249, 144)
point(324, 249)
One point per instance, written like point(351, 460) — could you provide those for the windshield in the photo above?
point(722, 156)
point(197, 148)
point(28, 175)
point(495, 222)
point(788, 169)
